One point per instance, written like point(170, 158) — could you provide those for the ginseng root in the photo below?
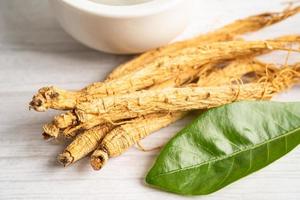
point(228, 32)
point(68, 120)
point(52, 97)
point(188, 98)
point(234, 71)
point(121, 138)
point(90, 120)
point(204, 54)
point(108, 146)
point(163, 68)
point(87, 141)
point(249, 24)
point(64, 121)
point(83, 144)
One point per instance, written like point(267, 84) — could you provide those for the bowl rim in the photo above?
point(122, 11)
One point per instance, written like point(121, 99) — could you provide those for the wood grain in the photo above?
point(35, 51)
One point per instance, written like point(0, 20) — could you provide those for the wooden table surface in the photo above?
point(35, 51)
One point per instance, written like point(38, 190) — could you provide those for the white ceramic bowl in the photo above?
point(122, 29)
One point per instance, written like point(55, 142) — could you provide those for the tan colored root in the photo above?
point(90, 120)
point(187, 98)
point(114, 142)
point(228, 32)
point(181, 79)
point(239, 27)
point(207, 54)
point(60, 122)
point(68, 119)
point(43, 99)
point(89, 146)
point(182, 76)
point(101, 155)
point(235, 70)
point(69, 98)
point(65, 119)
point(165, 67)
point(141, 147)
point(50, 131)
point(63, 122)
point(83, 144)
point(153, 73)
point(152, 121)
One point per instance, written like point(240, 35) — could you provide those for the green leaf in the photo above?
point(225, 144)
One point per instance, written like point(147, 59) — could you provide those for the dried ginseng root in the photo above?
point(189, 98)
point(200, 56)
point(131, 130)
point(43, 100)
point(89, 138)
point(124, 136)
point(85, 109)
point(66, 121)
point(62, 121)
point(234, 71)
point(239, 27)
point(228, 32)
point(69, 119)
point(88, 141)
point(91, 120)
point(164, 68)
point(84, 144)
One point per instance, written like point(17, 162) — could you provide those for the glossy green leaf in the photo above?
point(225, 144)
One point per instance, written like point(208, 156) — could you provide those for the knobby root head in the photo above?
point(40, 101)
point(66, 120)
point(71, 131)
point(65, 158)
point(50, 131)
point(99, 159)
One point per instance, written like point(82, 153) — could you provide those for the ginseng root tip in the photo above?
point(40, 100)
point(99, 159)
point(50, 131)
point(65, 158)
point(38, 103)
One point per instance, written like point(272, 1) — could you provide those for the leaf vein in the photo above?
point(275, 122)
point(230, 170)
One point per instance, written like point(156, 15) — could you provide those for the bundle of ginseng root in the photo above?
point(130, 77)
point(161, 86)
point(144, 125)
